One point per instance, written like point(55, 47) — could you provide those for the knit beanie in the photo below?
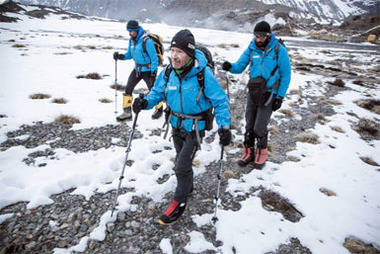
point(262, 27)
point(132, 25)
point(184, 40)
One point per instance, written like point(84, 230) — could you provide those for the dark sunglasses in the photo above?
point(261, 35)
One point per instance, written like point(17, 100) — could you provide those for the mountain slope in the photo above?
point(124, 9)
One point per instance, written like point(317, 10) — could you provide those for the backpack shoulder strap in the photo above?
point(201, 81)
point(146, 37)
point(168, 70)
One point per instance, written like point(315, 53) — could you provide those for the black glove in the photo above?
point(226, 66)
point(276, 104)
point(117, 56)
point(139, 104)
point(224, 136)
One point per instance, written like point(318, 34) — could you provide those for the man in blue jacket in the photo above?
point(145, 67)
point(188, 104)
point(269, 73)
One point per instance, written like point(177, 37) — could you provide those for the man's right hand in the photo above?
point(117, 56)
point(226, 66)
point(139, 104)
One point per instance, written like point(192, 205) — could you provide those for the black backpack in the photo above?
point(157, 40)
point(208, 55)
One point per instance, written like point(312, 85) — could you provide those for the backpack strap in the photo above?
point(201, 81)
point(146, 37)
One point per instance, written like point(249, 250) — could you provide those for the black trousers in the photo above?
point(257, 120)
point(135, 77)
point(186, 145)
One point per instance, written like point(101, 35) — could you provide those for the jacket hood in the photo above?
point(200, 63)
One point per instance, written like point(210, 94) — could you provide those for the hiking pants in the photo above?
point(186, 145)
point(257, 120)
point(135, 77)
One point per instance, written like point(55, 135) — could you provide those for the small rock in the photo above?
point(121, 216)
point(135, 224)
point(128, 232)
point(30, 245)
point(110, 227)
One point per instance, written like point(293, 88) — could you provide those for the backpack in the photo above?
point(157, 40)
point(208, 55)
point(209, 114)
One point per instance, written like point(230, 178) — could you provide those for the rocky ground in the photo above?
point(71, 217)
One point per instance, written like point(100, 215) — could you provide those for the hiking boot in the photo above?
point(174, 211)
point(127, 112)
point(158, 111)
point(260, 158)
point(247, 156)
point(126, 115)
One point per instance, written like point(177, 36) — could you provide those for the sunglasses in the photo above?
point(261, 35)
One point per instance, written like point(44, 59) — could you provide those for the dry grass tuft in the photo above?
point(274, 130)
point(320, 117)
point(369, 161)
point(105, 100)
point(62, 53)
point(66, 119)
point(331, 101)
point(230, 174)
point(293, 158)
point(11, 40)
point(107, 47)
point(39, 96)
point(337, 129)
point(287, 112)
point(366, 126)
point(118, 87)
point(327, 192)
point(224, 45)
point(18, 46)
point(372, 105)
point(59, 100)
point(295, 91)
point(337, 82)
point(307, 137)
point(357, 246)
point(92, 75)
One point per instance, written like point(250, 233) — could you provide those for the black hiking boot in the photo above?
point(174, 211)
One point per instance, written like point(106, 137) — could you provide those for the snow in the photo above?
point(165, 246)
point(41, 68)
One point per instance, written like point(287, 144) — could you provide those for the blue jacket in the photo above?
point(136, 52)
point(262, 63)
point(181, 95)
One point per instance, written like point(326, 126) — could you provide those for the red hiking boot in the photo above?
point(260, 158)
point(247, 156)
point(174, 211)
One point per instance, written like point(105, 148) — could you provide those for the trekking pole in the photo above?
point(215, 219)
point(228, 88)
point(126, 158)
point(115, 87)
